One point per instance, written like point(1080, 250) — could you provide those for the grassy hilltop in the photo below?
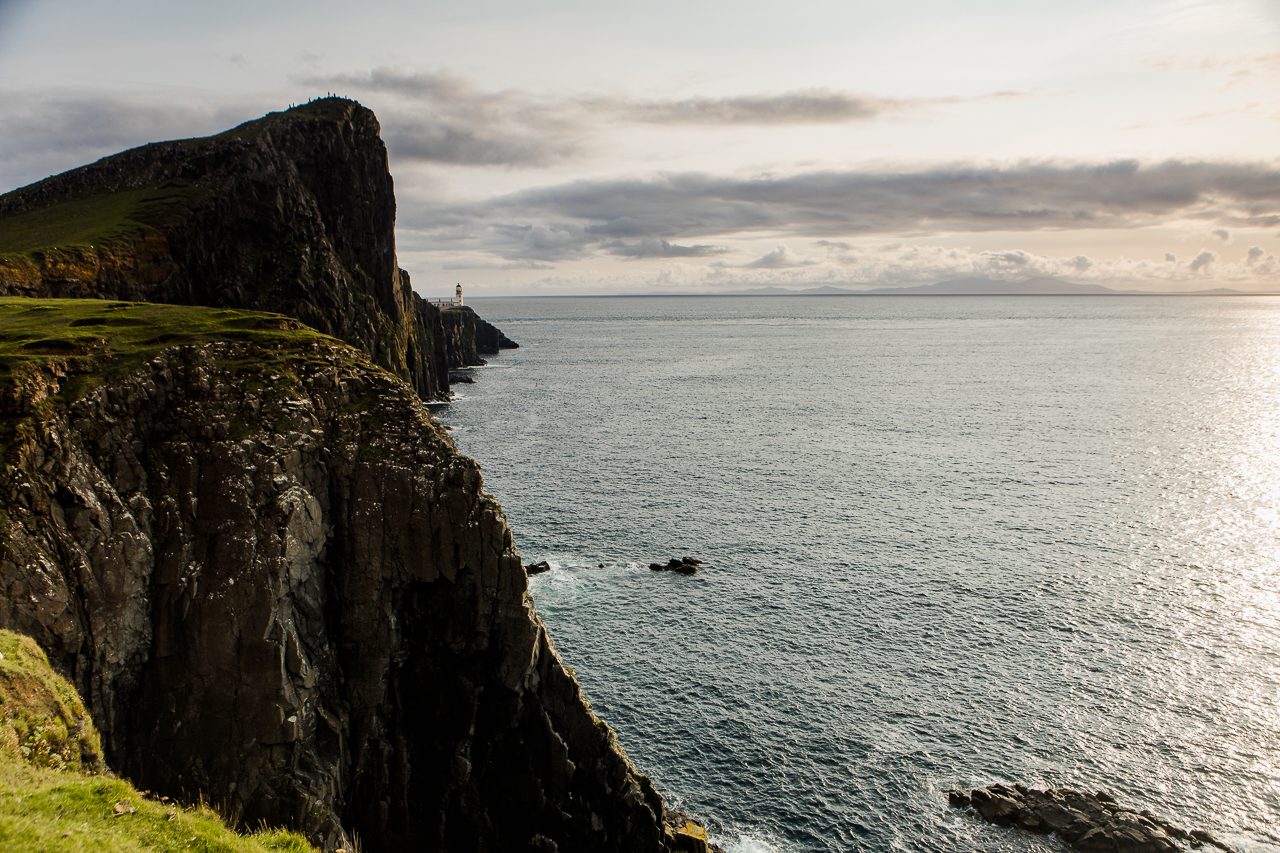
point(86, 342)
point(84, 217)
point(102, 336)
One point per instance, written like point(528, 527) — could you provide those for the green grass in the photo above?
point(88, 342)
point(53, 801)
point(100, 338)
point(95, 220)
point(42, 719)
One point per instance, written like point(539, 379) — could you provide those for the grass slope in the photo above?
point(94, 220)
point(110, 217)
point(52, 799)
point(87, 342)
point(102, 337)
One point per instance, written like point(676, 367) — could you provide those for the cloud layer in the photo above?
point(442, 118)
point(868, 264)
point(815, 106)
point(587, 216)
point(45, 133)
point(707, 227)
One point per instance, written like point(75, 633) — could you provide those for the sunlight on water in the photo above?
point(948, 541)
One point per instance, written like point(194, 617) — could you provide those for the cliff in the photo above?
point(292, 213)
point(279, 587)
point(54, 795)
point(467, 336)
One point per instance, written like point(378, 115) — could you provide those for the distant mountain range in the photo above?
point(978, 286)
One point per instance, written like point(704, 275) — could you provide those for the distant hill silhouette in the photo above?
point(982, 286)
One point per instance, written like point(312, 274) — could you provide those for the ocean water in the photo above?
point(948, 542)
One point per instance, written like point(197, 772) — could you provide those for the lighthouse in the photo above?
point(457, 294)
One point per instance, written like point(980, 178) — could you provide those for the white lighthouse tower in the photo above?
point(457, 294)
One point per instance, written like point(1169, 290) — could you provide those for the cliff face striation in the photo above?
point(54, 797)
point(467, 336)
point(278, 585)
point(293, 213)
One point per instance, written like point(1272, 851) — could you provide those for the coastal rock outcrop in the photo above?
point(275, 582)
point(293, 213)
point(490, 339)
point(279, 587)
point(1093, 822)
point(679, 565)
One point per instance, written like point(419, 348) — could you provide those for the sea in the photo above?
point(946, 541)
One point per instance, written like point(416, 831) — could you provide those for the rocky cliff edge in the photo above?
point(293, 213)
point(279, 586)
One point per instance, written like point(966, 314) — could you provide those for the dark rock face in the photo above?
point(1085, 821)
point(467, 337)
point(289, 594)
point(293, 213)
point(683, 566)
point(489, 338)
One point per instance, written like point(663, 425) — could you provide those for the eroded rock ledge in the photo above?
point(278, 586)
point(1086, 821)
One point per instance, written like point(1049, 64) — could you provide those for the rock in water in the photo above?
point(538, 568)
point(683, 566)
point(1085, 821)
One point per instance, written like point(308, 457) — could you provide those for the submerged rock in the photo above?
point(683, 566)
point(1085, 821)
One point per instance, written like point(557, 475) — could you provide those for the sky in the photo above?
point(601, 147)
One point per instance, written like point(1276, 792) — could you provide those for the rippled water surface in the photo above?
point(949, 541)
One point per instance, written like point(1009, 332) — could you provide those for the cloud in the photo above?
point(539, 242)
point(48, 132)
point(804, 106)
point(1222, 234)
point(450, 92)
point(901, 263)
point(1254, 255)
point(1203, 261)
point(1233, 69)
point(438, 117)
point(1009, 260)
point(777, 259)
point(1171, 257)
point(491, 265)
point(813, 106)
point(660, 249)
point(445, 119)
point(835, 206)
point(441, 140)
